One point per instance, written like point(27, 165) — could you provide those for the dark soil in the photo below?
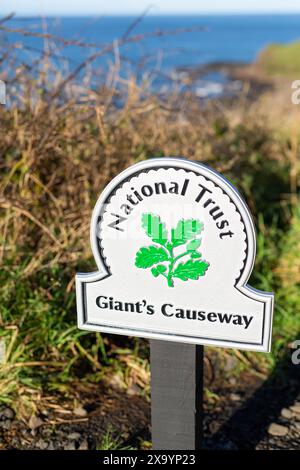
point(109, 413)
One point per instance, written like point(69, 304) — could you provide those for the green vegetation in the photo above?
point(281, 60)
point(111, 442)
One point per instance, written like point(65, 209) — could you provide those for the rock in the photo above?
point(234, 397)
point(84, 445)
point(74, 436)
point(6, 413)
point(278, 430)
point(286, 413)
point(5, 424)
point(70, 446)
point(297, 425)
point(295, 408)
point(116, 381)
point(35, 422)
point(80, 411)
point(41, 444)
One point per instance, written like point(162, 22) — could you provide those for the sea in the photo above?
point(159, 47)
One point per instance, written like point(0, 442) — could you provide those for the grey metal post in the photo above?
point(176, 395)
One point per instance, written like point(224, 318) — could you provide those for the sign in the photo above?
point(174, 244)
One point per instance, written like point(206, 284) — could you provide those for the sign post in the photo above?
point(174, 244)
point(176, 395)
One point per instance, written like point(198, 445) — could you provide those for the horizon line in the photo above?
point(162, 13)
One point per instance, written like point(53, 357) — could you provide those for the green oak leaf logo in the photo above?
point(161, 257)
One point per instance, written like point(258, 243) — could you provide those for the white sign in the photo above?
point(174, 244)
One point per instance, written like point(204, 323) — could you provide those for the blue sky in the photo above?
point(79, 7)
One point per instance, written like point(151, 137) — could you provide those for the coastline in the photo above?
point(225, 79)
